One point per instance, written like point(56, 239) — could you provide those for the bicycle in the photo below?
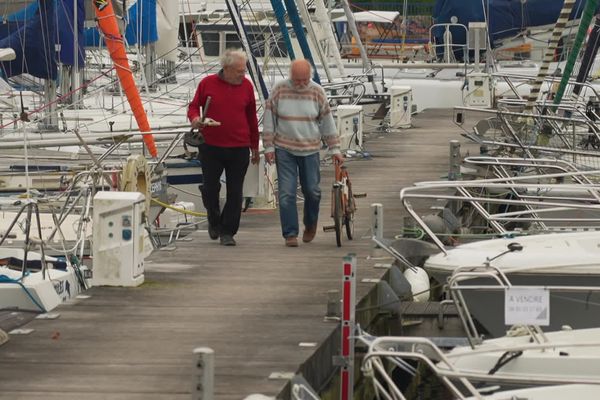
point(343, 204)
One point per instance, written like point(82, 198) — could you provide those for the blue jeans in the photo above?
point(289, 168)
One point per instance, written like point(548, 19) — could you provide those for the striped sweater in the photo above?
point(297, 119)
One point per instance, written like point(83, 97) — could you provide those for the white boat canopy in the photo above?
point(372, 16)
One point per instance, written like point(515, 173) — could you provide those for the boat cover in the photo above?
point(507, 17)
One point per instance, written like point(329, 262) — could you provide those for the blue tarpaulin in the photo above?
point(141, 25)
point(507, 17)
point(33, 41)
point(63, 20)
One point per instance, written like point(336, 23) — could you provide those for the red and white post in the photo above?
point(348, 324)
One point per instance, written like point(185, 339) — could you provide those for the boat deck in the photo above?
point(260, 306)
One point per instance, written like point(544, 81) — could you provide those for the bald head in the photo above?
point(300, 73)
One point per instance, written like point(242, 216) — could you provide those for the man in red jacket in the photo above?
point(230, 129)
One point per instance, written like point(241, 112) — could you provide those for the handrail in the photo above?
point(501, 283)
point(538, 199)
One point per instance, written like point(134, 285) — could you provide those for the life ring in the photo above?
point(136, 178)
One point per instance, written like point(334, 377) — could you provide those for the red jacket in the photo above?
point(231, 105)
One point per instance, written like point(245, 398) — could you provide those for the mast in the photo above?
point(75, 76)
point(279, 10)
point(253, 67)
point(589, 56)
point(586, 19)
point(299, 30)
point(549, 55)
point(324, 20)
point(352, 26)
point(313, 37)
point(107, 22)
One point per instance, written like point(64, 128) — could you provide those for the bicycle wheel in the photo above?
point(338, 215)
point(349, 217)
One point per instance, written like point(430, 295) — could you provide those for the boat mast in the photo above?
point(589, 56)
point(253, 67)
point(324, 20)
point(279, 10)
point(352, 26)
point(586, 19)
point(299, 30)
point(313, 37)
point(559, 27)
point(75, 76)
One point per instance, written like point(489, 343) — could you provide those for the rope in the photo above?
point(58, 99)
point(504, 359)
point(179, 210)
point(6, 279)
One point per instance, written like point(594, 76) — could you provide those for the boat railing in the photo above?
point(515, 80)
point(506, 167)
point(397, 349)
point(351, 91)
point(448, 47)
point(385, 352)
point(573, 136)
point(497, 280)
point(30, 208)
point(508, 206)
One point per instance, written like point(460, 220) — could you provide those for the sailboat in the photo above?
point(76, 182)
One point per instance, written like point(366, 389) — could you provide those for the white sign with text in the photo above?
point(527, 306)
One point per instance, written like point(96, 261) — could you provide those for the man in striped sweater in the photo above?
point(296, 119)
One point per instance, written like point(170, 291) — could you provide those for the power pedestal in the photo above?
point(118, 236)
point(350, 127)
point(478, 92)
point(400, 106)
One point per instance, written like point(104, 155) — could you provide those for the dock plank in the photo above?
point(253, 303)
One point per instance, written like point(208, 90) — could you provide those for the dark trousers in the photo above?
point(234, 161)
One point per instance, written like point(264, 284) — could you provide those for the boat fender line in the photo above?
point(179, 210)
point(419, 283)
point(7, 279)
point(136, 178)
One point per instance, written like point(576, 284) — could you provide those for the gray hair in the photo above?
point(232, 55)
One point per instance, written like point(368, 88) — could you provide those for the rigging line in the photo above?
point(58, 99)
point(45, 21)
point(353, 5)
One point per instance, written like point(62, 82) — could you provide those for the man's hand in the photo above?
point(338, 158)
point(197, 123)
point(270, 157)
point(255, 156)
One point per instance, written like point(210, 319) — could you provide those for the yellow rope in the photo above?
point(179, 210)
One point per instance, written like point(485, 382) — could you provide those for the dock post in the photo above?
point(454, 171)
point(377, 220)
point(348, 326)
point(204, 374)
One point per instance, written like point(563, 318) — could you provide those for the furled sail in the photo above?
point(114, 42)
point(167, 20)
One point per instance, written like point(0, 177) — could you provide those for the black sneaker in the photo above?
point(227, 240)
point(213, 232)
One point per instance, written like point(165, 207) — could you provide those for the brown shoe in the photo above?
point(309, 233)
point(291, 241)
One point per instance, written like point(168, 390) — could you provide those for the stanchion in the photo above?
point(348, 324)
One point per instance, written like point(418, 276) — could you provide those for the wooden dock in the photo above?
point(260, 306)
